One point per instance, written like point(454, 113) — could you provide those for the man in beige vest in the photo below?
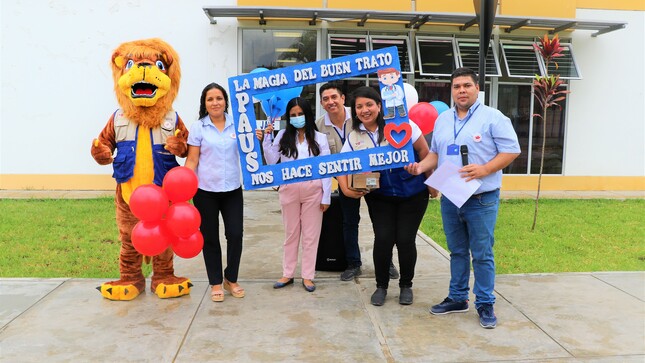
point(336, 123)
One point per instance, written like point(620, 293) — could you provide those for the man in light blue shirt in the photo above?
point(491, 144)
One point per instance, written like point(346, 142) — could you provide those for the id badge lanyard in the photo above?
point(369, 133)
point(453, 149)
point(342, 137)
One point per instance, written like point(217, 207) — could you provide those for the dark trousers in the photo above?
point(231, 206)
point(351, 217)
point(395, 221)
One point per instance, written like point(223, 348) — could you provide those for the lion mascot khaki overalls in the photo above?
point(147, 134)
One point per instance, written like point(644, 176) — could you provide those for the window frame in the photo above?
point(572, 58)
point(527, 43)
point(282, 63)
point(491, 50)
point(395, 37)
point(345, 35)
point(503, 43)
point(422, 38)
point(369, 41)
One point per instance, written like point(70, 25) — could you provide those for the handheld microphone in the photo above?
point(464, 154)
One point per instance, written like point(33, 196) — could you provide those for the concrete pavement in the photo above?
point(571, 317)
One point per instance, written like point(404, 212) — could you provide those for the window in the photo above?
point(272, 49)
point(401, 42)
point(434, 91)
point(277, 48)
point(469, 56)
point(520, 59)
point(566, 65)
point(514, 101)
point(554, 148)
point(441, 56)
point(346, 44)
point(436, 56)
point(342, 45)
point(517, 103)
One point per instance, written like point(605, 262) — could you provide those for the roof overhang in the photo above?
point(412, 20)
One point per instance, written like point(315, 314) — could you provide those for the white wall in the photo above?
point(606, 124)
point(56, 82)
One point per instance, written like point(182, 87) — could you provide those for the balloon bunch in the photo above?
point(424, 114)
point(162, 224)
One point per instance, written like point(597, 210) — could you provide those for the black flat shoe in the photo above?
point(279, 284)
point(311, 288)
point(378, 297)
point(394, 273)
point(406, 296)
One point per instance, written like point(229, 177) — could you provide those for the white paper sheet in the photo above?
point(449, 182)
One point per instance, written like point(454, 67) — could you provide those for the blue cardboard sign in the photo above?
point(243, 88)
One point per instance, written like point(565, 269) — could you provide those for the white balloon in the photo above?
point(411, 95)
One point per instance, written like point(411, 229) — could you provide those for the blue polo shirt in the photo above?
point(218, 169)
point(486, 132)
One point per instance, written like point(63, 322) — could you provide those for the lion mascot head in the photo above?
point(146, 79)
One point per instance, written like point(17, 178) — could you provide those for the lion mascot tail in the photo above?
point(147, 135)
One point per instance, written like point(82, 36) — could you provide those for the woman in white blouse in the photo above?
point(213, 155)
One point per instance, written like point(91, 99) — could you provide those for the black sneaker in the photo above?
point(487, 318)
point(406, 296)
point(350, 273)
point(394, 273)
point(378, 297)
point(448, 306)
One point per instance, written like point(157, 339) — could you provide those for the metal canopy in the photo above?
point(408, 19)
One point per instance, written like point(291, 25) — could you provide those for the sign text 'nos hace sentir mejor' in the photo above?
point(256, 175)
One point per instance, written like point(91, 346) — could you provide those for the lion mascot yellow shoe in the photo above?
point(147, 134)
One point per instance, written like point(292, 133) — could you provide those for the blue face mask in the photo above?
point(297, 121)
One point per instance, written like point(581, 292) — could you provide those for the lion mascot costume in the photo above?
point(147, 135)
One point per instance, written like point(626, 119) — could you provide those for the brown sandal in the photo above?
point(237, 291)
point(217, 295)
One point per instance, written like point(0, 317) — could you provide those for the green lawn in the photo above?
point(79, 238)
point(59, 238)
point(571, 235)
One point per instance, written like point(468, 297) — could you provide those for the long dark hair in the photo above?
point(288, 140)
point(368, 92)
point(202, 99)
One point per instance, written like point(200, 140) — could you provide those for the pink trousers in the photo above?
point(302, 219)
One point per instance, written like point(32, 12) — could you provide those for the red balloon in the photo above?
point(188, 247)
point(149, 202)
point(424, 115)
point(150, 238)
point(183, 219)
point(180, 184)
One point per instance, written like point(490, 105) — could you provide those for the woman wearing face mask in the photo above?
point(302, 203)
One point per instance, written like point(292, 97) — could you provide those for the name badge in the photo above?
point(453, 149)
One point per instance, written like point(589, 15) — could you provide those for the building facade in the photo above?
point(57, 87)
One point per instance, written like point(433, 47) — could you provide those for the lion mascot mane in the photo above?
point(147, 134)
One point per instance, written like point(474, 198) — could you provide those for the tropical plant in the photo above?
point(548, 91)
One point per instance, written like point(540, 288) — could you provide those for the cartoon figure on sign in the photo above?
point(392, 93)
point(147, 135)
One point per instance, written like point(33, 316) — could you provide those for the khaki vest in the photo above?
point(126, 130)
point(361, 140)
